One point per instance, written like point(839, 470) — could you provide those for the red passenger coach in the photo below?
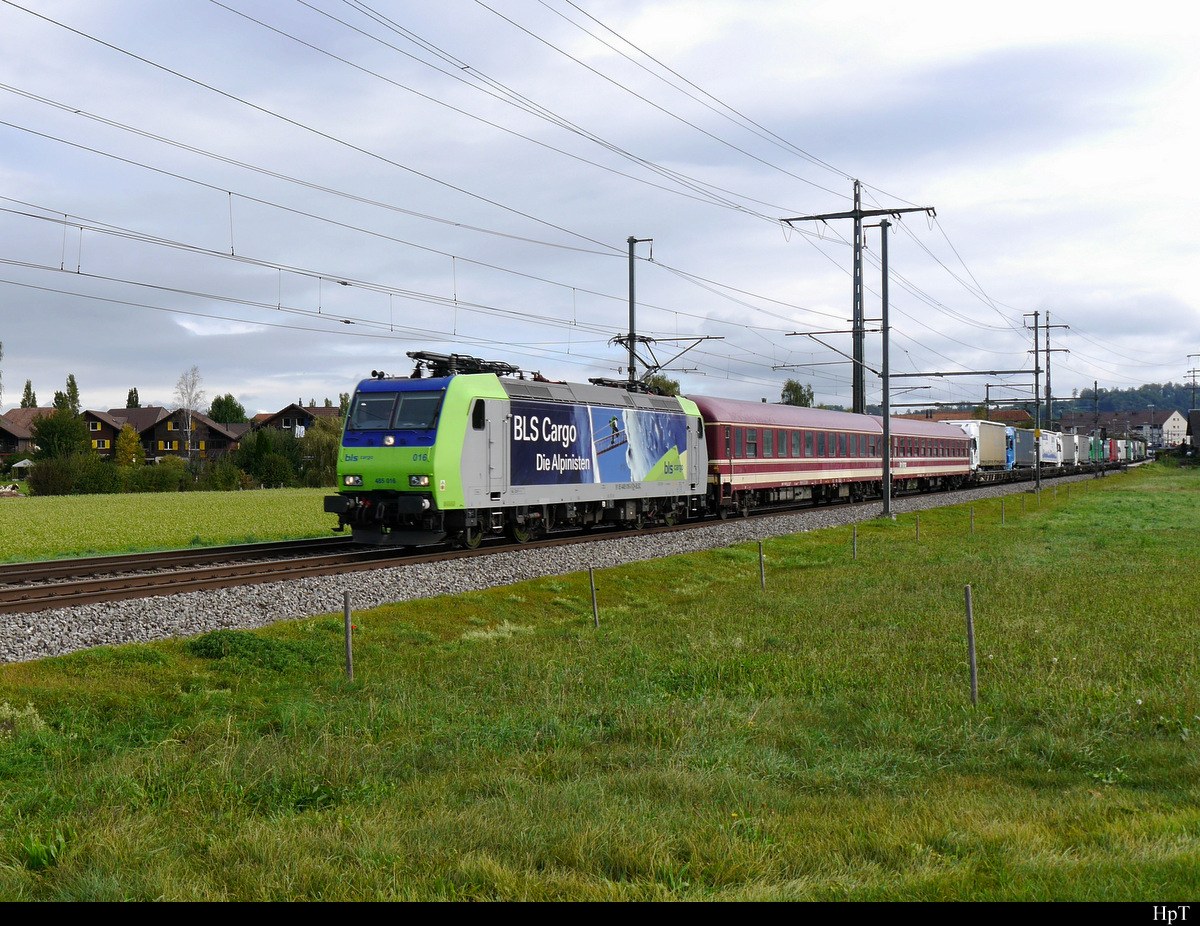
point(928, 455)
point(763, 455)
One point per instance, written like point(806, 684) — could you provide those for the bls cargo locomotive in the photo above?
point(473, 450)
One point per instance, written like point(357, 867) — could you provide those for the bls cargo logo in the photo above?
point(533, 428)
point(556, 444)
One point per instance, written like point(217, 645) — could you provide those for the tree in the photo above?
point(128, 451)
point(319, 450)
point(344, 403)
point(328, 404)
point(72, 394)
point(794, 393)
point(61, 402)
point(188, 398)
point(59, 434)
point(29, 397)
point(227, 410)
point(132, 400)
point(660, 384)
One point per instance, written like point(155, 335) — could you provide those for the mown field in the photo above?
point(84, 525)
point(709, 741)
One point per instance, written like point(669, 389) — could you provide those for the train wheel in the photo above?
point(519, 533)
point(472, 537)
point(671, 518)
point(723, 513)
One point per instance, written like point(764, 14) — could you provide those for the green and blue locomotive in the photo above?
point(472, 451)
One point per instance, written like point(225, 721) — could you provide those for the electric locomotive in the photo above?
point(471, 450)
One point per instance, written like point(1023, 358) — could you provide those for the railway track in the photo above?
point(38, 586)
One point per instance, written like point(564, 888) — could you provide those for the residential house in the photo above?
point(297, 418)
point(103, 428)
point(168, 436)
point(14, 438)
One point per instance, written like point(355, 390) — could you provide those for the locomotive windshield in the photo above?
point(413, 411)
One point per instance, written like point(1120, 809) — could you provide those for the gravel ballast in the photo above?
point(40, 634)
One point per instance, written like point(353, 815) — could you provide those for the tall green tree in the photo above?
point(29, 397)
point(132, 400)
point(227, 410)
point(59, 434)
point(72, 394)
point(344, 403)
point(61, 402)
point(796, 393)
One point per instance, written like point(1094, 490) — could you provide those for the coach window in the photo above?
point(768, 434)
point(738, 434)
point(751, 443)
point(808, 443)
point(477, 415)
point(841, 445)
point(821, 443)
point(853, 445)
point(796, 443)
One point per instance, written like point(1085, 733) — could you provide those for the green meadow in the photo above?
point(710, 740)
point(46, 527)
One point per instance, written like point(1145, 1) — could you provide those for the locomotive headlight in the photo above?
point(352, 480)
point(418, 482)
point(389, 440)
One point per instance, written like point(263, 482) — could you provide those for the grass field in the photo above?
point(709, 741)
point(83, 525)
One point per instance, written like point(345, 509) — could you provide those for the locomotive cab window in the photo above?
point(418, 410)
point(478, 413)
point(377, 411)
point(372, 411)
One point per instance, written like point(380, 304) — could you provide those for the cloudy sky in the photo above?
point(289, 195)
